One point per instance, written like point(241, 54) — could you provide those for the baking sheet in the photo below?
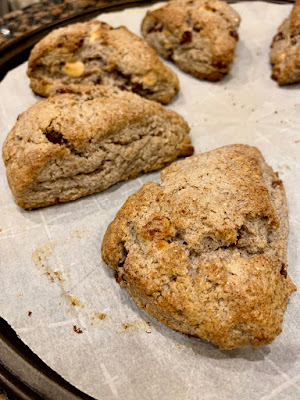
point(63, 301)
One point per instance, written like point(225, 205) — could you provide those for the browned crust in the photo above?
point(104, 52)
point(65, 147)
point(205, 251)
point(198, 35)
point(285, 49)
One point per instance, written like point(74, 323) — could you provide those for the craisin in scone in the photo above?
point(285, 49)
point(205, 251)
point(95, 53)
point(198, 35)
point(71, 145)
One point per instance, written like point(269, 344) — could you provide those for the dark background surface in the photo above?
point(21, 29)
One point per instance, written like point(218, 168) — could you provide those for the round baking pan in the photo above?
point(24, 375)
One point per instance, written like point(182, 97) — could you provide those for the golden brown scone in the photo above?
point(285, 49)
point(94, 53)
point(198, 35)
point(205, 251)
point(71, 145)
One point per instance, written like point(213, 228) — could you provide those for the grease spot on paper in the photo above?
point(41, 256)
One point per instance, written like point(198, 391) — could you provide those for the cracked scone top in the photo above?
point(285, 49)
point(84, 141)
point(205, 251)
point(198, 35)
point(95, 53)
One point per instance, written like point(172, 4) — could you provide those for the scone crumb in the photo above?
point(98, 316)
point(75, 301)
point(101, 316)
point(77, 330)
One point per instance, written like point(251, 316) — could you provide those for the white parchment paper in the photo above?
point(51, 264)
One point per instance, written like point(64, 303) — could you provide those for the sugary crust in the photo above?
point(95, 53)
point(285, 49)
point(205, 251)
point(71, 145)
point(198, 35)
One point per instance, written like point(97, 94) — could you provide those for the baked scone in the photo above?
point(198, 35)
point(205, 251)
point(95, 53)
point(71, 145)
point(285, 49)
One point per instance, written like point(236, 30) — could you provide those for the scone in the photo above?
point(285, 49)
point(71, 145)
point(94, 53)
point(198, 35)
point(205, 251)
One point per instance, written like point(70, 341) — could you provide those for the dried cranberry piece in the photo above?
point(186, 37)
point(55, 137)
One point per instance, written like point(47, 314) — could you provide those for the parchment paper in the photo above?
point(54, 282)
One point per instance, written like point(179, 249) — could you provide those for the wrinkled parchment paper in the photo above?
point(63, 301)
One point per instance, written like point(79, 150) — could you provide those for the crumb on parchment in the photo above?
point(77, 330)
